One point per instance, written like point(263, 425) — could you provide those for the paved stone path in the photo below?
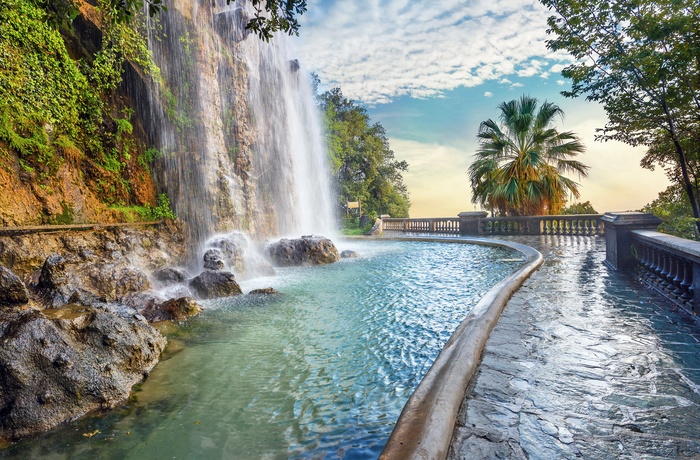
point(584, 364)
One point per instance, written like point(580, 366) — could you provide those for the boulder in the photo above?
point(60, 364)
point(172, 310)
point(212, 260)
point(170, 275)
point(307, 250)
point(241, 255)
point(348, 254)
point(12, 289)
point(62, 282)
point(213, 284)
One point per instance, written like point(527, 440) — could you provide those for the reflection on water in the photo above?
point(322, 369)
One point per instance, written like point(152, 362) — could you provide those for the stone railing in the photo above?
point(669, 265)
point(665, 263)
point(586, 224)
point(447, 225)
point(477, 223)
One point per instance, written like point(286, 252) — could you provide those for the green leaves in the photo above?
point(641, 60)
point(517, 167)
point(361, 158)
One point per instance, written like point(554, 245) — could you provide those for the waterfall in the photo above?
point(240, 138)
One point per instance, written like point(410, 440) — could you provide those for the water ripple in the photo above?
point(322, 370)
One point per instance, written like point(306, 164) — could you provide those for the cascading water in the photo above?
point(235, 121)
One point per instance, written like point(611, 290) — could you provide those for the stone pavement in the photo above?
point(584, 363)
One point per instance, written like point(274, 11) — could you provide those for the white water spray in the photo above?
point(234, 117)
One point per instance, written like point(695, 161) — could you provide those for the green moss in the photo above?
point(65, 218)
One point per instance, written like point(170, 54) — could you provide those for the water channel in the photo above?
point(321, 370)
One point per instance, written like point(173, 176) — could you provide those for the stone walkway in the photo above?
point(584, 364)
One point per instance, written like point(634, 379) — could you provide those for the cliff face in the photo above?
point(221, 122)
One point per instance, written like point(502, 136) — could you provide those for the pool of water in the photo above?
point(321, 370)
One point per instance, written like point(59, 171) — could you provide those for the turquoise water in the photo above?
point(321, 370)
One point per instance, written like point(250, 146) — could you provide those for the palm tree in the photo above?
point(519, 164)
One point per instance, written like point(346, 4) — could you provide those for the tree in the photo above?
point(641, 60)
point(362, 162)
point(519, 164)
point(579, 208)
point(673, 208)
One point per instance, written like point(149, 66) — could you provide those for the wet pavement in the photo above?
point(584, 363)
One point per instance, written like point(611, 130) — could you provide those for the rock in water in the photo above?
point(172, 310)
point(307, 250)
point(348, 254)
point(60, 364)
point(264, 291)
point(212, 284)
point(170, 275)
point(12, 289)
point(212, 260)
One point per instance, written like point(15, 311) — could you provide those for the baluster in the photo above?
point(663, 274)
point(687, 282)
point(678, 276)
point(641, 258)
point(654, 269)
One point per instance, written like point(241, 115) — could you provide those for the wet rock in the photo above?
point(173, 310)
point(53, 272)
point(348, 254)
point(12, 289)
point(213, 284)
point(212, 260)
point(61, 282)
point(170, 275)
point(307, 250)
point(141, 301)
point(60, 364)
point(112, 281)
point(242, 256)
point(264, 291)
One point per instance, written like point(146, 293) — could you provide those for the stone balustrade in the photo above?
point(446, 225)
point(477, 223)
point(585, 224)
point(669, 265)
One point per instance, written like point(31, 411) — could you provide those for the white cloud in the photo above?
point(488, 94)
point(379, 50)
point(560, 82)
point(516, 85)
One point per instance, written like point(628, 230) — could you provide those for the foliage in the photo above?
point(66, 217)
point(352, 227)
point(362, 162)
point(147, 213)
point(639, 59)
point(274, 16)
point(579, 208)
point(518, 164)
point(162, 209)
point(673, 208)
point(41, 87)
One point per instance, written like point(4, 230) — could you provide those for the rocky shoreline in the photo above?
point(76, 308)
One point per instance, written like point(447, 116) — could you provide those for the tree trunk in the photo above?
point(686, 182)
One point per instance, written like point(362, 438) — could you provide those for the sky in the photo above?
point(431, 74)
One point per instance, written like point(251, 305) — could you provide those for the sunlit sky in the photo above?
point(431, 74)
